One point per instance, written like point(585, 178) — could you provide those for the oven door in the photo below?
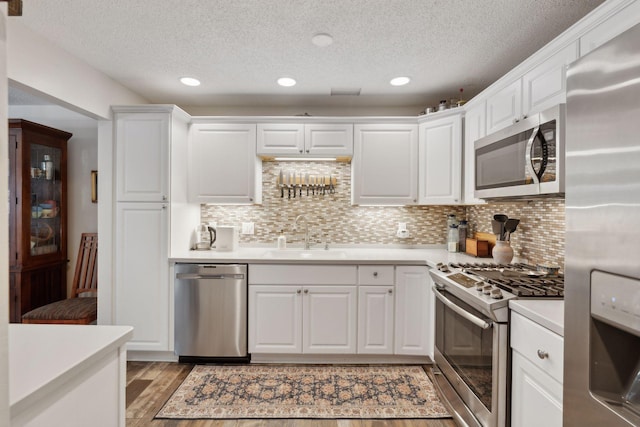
point(471, 352)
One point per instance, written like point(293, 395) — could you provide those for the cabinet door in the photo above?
point(280, 139)
point(385, 164)
point(440, 160)
point(275, 319)
point(329, 319)
point(545, 85)
point(332, 140)
point(222, 163)
point(505, 107)
point(413, 318)
point(474, 129)
point(375, 319)
point(536, 398)
point(616, 24)
point(142, 153)
point(142, 274)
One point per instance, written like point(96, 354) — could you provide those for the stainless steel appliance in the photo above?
point(211, 312)
point(524, 160)
point(602, 308)
point(472, 351)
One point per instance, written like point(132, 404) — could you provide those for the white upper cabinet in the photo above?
point(475, 121)
point(616, 24)
point(280, 139)
point(142, 156)
point(545, 85)
point(440, 161)
point(384, 169)
point(504, 107)
point(223, 167)
point(312, 139)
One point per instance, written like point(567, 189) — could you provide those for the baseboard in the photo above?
point(151, 356)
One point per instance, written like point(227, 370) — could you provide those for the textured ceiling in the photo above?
point(239, 48)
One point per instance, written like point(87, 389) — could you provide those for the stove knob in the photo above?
point(496, 293)
point(486, 289)
point(479, 286)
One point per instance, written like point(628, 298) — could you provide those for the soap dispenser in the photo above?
point(282, 240)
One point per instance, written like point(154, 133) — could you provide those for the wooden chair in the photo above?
point(79, 309)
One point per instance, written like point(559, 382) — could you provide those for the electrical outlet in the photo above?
point(247, 228)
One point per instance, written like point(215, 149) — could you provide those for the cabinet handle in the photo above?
point(306, 291)
point(298, 291)
point(543, 354)
point(375, 274)
point(390, 291)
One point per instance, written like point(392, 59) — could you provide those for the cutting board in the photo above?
point(489, 237)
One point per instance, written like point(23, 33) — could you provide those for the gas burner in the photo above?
point(522, 280)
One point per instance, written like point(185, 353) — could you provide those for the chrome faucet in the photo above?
point(306, 229)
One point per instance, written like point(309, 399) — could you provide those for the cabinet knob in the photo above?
point(301, 151)
point(307, 150)
point(543, 354)
point(306, 291)
point(375, 274)
point(164, 198)
point(298, 291)
point(390, 291)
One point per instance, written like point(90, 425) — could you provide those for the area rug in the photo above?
point(275, 391)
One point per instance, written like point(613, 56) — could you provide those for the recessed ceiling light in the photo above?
point(400, 81)
point(189, 81)
point(286, 81)
point(322, 39)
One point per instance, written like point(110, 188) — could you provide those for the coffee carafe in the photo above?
point(205, 237)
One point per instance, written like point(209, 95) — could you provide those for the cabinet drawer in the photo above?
point(293, 274)
point(539, 345)
point(375, 275)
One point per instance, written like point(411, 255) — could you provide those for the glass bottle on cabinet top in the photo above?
point(37, 216)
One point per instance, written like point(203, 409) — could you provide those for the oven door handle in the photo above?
point(462, 312)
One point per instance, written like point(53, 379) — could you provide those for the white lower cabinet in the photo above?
point(413, 324)
point(329, 319)
point(375, 319)
point(340, 309)
point(536, 379)
point(142, 274)
point(275, 319)
point(302, 319)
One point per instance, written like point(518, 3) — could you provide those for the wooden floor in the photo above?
point(150, 384)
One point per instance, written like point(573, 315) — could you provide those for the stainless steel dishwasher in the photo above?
point(211, 312)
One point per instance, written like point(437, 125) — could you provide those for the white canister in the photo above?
point(226, 238)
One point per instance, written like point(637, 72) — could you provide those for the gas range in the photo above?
point(488, 287)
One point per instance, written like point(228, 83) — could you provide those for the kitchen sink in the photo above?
point(305, 254)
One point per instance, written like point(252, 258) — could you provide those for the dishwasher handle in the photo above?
point(195, 276)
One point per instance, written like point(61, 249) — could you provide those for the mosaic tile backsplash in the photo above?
point(332, 218)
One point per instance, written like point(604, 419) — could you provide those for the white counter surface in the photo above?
point(42, 357)
point(336, 255)
point(548, 313)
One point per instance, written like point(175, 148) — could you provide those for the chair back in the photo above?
point(85, 279)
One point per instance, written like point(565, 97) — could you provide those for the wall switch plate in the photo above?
point(247, 228)
point(402, 231)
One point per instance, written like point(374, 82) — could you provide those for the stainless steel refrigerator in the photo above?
point(602, 264)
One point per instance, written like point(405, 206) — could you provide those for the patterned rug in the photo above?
point(251, 391)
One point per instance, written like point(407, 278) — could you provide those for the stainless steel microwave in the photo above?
point(523, 160)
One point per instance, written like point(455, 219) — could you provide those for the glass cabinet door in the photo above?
point(46, 198)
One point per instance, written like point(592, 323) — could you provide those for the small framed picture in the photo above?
point(94, 186)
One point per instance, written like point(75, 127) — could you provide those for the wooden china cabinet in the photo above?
point(37, 216)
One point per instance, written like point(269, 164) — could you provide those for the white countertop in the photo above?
point(42, 357)
point(547, 313)
point(336, 255)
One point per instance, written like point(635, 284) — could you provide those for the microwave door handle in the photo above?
point(528, 159)
point(462, 312)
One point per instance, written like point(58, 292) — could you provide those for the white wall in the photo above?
point(82, 158)
point(35, 62)
point(4, 222)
